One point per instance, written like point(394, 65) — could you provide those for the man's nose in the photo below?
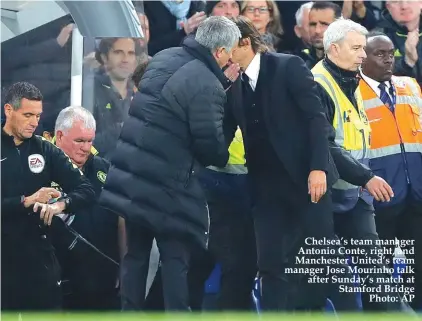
point(34, 121)
point(362, 54)
point(318, 29)
point(389, 60)
point(86, 146)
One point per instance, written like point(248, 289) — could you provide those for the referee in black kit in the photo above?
point(30, 274)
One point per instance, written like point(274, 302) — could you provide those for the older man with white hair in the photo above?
point(91, 275)
point(302, 23)
point(344, 44)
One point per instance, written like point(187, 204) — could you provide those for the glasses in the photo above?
point(261, 10)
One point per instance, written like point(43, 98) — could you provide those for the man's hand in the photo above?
point(317, 185)
point(64, 34)
point(411, 51)
point(49, 210)
point(232, 72)
point(359, 8)
point(379, 189)
point(193, 22)
point(43, 195)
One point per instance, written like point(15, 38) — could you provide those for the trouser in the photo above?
point(356, 225)
point(403, 221)
point(283, 219)
point(30, 279)
point(174, 256)
point(200, 267)
point(232, 239)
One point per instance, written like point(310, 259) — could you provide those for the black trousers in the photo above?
point(283, 220)
point(30, 278)
point(403, 221)
point(200, 267)
point(174, 256)
point(232, 237)
point(359, 224)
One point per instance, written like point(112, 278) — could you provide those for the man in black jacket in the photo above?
point(30, 274)
point(290, 167)
point(91, 275)
point(174, 126)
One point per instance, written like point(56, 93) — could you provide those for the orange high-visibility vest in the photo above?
point(396, 138)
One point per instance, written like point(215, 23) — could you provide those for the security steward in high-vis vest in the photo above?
point(89, 274)
point(30, 273)
point(393, 105)
point(232, 241)
point(354, 219)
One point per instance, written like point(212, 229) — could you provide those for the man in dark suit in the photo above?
point(285, 134)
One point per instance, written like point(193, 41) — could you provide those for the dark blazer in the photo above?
point(293, 114)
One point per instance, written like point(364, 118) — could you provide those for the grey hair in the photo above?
point(218, 32)
point(338, 30)
point(300, 11)
point(70, 114)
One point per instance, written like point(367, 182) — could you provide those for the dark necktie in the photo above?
point(385, 97)
point(246, 86)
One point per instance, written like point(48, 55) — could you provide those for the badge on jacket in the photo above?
point(36, 163)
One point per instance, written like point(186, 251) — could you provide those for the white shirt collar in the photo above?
point(252, 71)
point(374, 84)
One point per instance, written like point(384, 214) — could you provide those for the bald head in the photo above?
point(379, 63)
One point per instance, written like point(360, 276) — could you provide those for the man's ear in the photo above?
point(8, 109)
point(244, 42)
point(59, 135)
point(297, 32)
point(218, 52)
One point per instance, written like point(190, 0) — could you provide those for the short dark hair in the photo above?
point(373, 34)
point(322, 5)
point(20, 90)
point(247, 30)
point(106, 44)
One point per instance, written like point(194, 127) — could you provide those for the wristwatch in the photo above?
point(67, 201)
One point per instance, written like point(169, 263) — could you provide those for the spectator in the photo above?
point(359, 11)
point(174, 128)
point(45, 64)
point(266, 19)
point(170, 21)
point(401, 22)
point(111, 89)
point(227, 8)
point(322, 14)
point(302, 25)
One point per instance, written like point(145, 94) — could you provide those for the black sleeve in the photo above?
point(42, 52)
point(165, 41)
point(369, 21)
point(12, 205)
point(401, 68)
point(348, 167)
point(302, 87)
point(206, 113)
point(70, 179)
